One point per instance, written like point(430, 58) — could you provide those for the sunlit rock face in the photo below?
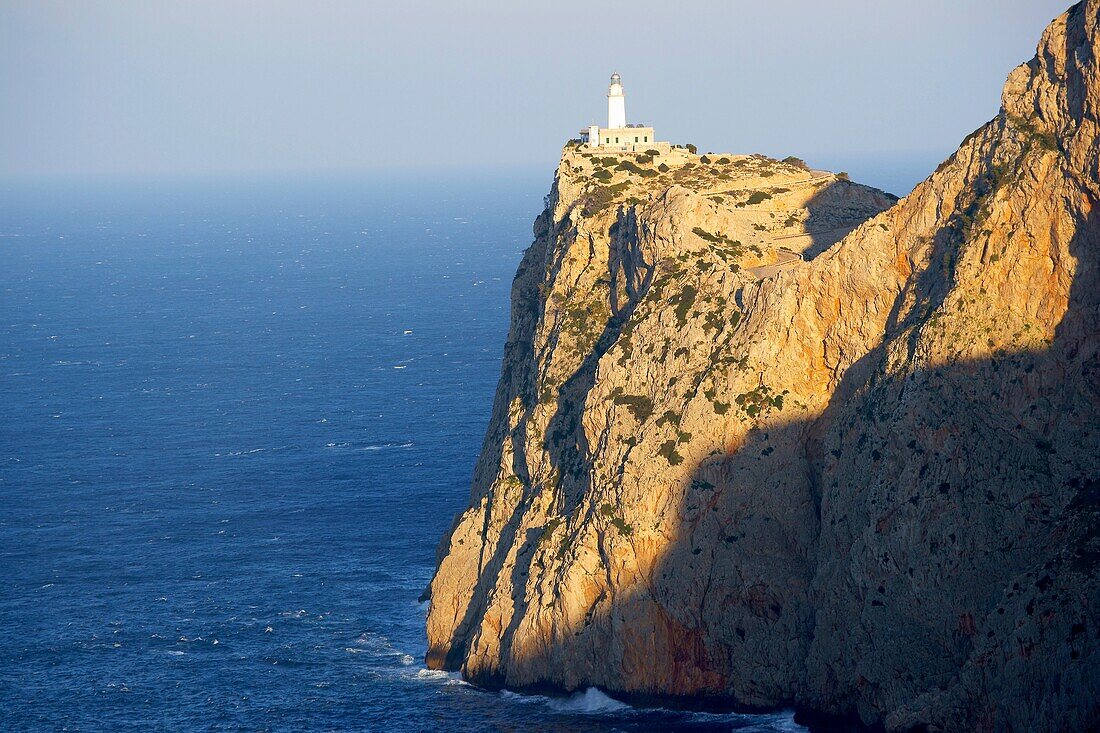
point(766, 435)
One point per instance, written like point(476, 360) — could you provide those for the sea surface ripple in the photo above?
point(237, 417)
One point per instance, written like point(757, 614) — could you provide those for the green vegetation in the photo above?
point(669, 418)
point(668, 450)
point(629, 167)
point(620, 524)
point(585, 321)
point(796, 162)
point(699, 484)
point(760, 401)
point(602, 175)
point(725, 247)
point(1035, 137)
point(757, 197)
point(683, 301)
point(600, 197)
point(640, 406)
point(548, 529)
point(663, 168)
point(705, 160)
point(714, 321)
point(723, 161)
point(712, 238)
point(691, 148)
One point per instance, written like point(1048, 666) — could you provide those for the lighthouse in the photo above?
point(616, 104)
point(618, 135)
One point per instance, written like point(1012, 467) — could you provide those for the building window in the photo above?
point(646, 139)
point(635, 138)
point(616, 141)
point(607, 140)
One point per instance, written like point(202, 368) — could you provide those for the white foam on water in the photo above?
point(590, 702)
point(757, 723)
point(433, 674)
point(516, 697)
point(774, 725)
point(594, 701)
point(384, 446)
point(370, 446)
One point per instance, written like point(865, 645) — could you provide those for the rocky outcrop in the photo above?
point(764, 435)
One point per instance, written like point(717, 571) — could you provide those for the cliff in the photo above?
point(768, 436)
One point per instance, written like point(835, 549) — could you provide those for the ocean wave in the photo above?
point(369, 446)
point(590, 702)
point(380, 647)
point(594, 701)
point(771, 723)
point(300, 613)
point(239, 453)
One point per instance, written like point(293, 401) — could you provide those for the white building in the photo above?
point(618, 135)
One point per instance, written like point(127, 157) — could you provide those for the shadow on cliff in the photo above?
point(732, 622)
point(833, 213)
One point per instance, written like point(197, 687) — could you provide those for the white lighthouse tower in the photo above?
point(618, 135)
point(616, 104)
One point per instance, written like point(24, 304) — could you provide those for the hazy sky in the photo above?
point(146, 86)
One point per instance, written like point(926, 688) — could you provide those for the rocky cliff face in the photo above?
point(765, 435)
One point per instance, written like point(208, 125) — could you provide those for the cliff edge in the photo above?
point(766, 435)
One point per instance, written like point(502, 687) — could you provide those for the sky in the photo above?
point(150, 87)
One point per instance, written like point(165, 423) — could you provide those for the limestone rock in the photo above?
point(766, 435)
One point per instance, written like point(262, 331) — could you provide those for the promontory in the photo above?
point(768, 437)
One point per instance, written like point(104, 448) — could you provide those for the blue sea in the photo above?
point(236, 417)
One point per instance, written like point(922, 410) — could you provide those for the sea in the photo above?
point(236, 416)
